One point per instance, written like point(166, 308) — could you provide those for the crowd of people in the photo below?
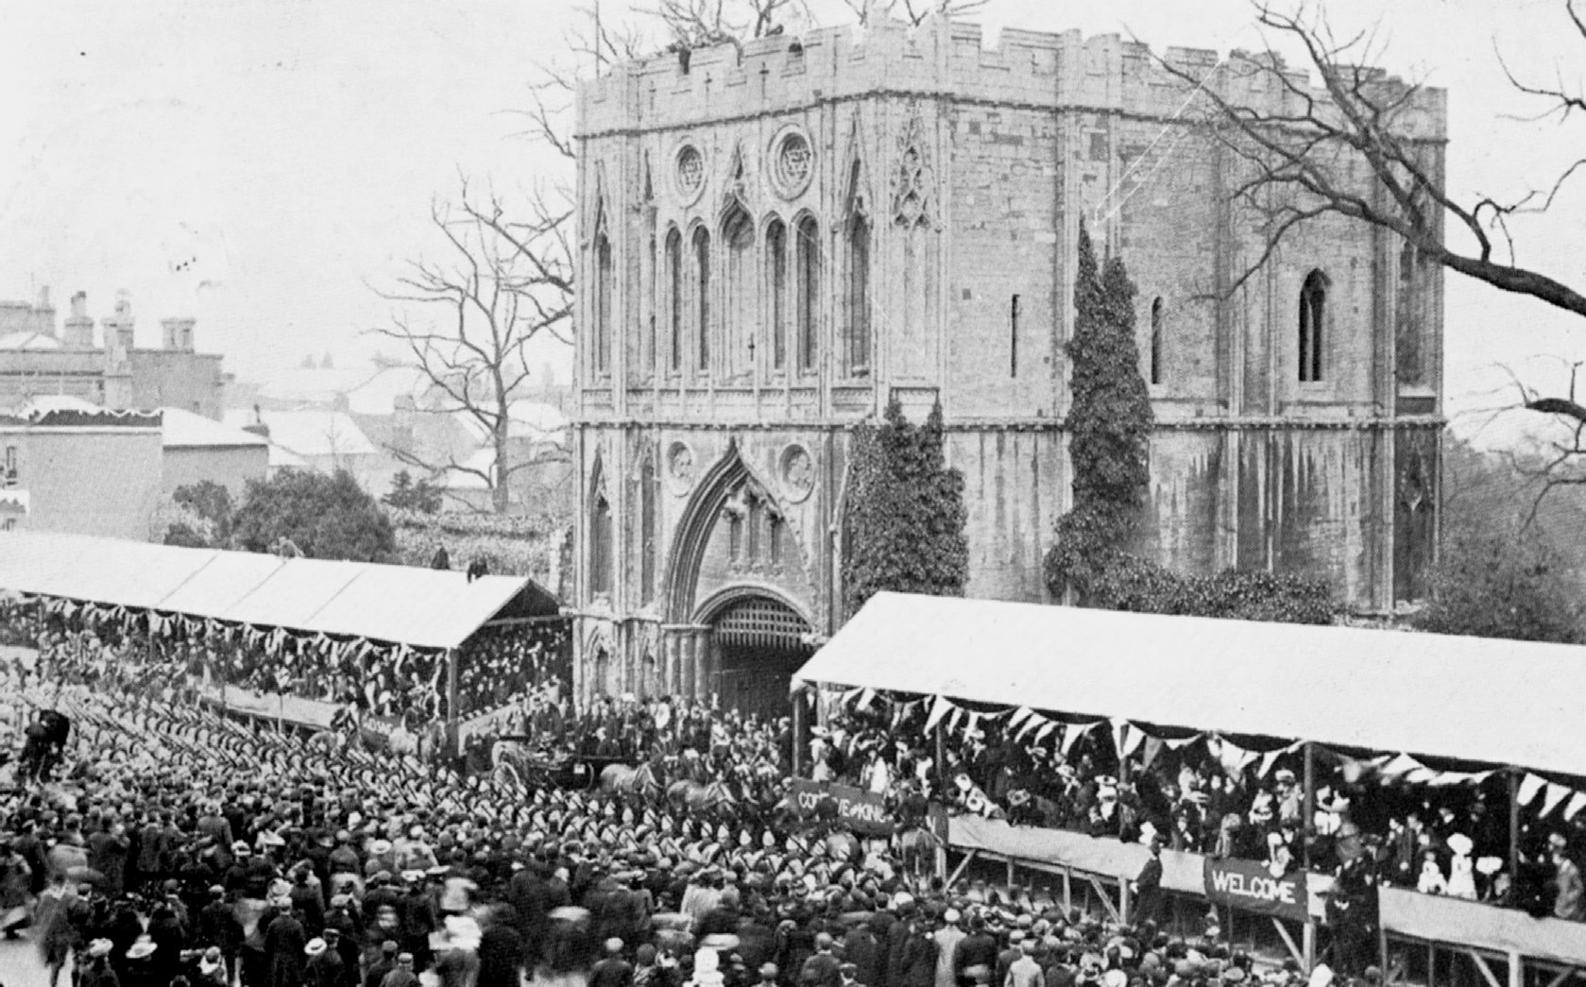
point(157, 842)
point(495, 670)
point(1451, 840)
point(174, 846)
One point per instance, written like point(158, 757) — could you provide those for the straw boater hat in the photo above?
point(143, 946)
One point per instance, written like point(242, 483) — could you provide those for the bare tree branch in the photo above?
point(498, 285)
point(1303, 148)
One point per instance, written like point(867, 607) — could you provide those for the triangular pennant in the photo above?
point(1047, 727)
point(1399, 765)
point(1530, 786)
point(1125, 737)
point(1577, 802)
point(1153, 747)
point(1071, 734)
point(1556, 794)
point(939, 708)
point(1031, 722)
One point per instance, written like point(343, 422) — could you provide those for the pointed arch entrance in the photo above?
point(757, 640)
point(732, 628)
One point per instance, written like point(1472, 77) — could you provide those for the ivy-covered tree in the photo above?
point(406, 494)
point(1109, 425)
point(905, 512)
point(321, 516)
point(199, 515)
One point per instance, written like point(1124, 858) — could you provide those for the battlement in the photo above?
point(937, 59)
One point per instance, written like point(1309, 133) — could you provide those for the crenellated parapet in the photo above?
point(953, 60)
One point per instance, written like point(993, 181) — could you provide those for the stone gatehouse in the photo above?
point(775, 239)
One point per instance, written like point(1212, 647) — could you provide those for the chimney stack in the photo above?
point(257, 427)
point(119, 331)
point(44, 313)
point(77, 331)
point(179, 334)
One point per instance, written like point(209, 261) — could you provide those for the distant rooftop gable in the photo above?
point(311, 434)
point(183, 429)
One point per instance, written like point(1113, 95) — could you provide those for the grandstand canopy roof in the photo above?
point(1474, 699)
point(424, 608)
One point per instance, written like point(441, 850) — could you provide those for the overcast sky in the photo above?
point(293, 146)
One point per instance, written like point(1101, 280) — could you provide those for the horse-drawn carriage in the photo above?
point(516, 758)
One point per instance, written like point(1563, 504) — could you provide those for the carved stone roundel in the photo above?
point(680, 467)
point(792, 162)
point(797, 472)
point(690, 172)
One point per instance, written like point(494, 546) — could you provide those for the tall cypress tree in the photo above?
point(1109, 423)
point(905, 513)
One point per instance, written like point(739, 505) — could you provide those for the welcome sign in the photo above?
point(1249, 886)
point(864, 812)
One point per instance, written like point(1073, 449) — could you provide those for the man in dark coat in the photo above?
point(217, 925)
point(862, 948)
point(820, 970)
point(384, 964)
point(1148, 887)
point(979, 948)
point(500, 953)
point(326, 967)
point(612, 970)
point(284, 945)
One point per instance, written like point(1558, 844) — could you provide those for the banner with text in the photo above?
point(864, 811)
point(1250, 886)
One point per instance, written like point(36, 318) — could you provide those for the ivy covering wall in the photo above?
point(904, 517)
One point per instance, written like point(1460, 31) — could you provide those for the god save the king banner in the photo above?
point(865, 811)
point(1250, 887)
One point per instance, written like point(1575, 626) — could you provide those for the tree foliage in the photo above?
point(1109, 427)
point(212, 502)
point(322, 516)
point(905, 512)
point(1500, 581)
point(406, 494)
point(1508, 567)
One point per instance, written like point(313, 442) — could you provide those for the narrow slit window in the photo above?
point(702, 299)
point(809, 287)
point(1013, 337)
point(1156, 340)
point(674, 279)
point(1313, 324)
point(776, 260)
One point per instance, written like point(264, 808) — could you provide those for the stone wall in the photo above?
point(971, 169)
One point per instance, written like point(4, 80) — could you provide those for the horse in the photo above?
point(917, 849)
point(624, 779)
point(694, 797)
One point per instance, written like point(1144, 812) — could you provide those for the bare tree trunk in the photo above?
point(501, 494)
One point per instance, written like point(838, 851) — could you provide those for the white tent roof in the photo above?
point(1478, 699)
point(425, 608)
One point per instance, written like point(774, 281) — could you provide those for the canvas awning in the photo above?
point(424, 608)
point(1474, 699)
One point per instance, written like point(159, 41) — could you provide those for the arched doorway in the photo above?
point(759, 642)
